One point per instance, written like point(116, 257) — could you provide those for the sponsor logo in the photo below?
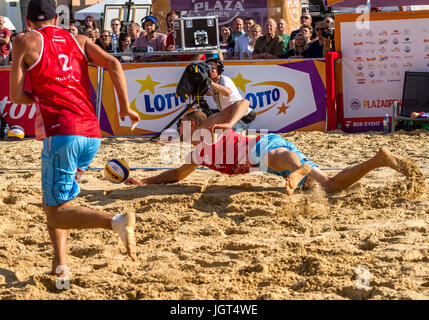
point(407, 32)
point(357, 34)
point(395, 41)
point(427, 48)
point(355, 104)
point(370, 43)
point(395, 73)
point(395, 32)
point(377, 81)
point(370, 50)
point(359, 67)
point(357, 51)
point(378, 103)
point(371, 66)
point(371, 74)
point(407, 40)
point(382, 74)
point(407, 49)
point(425, 40)
point(370, 34)
point(358, 59)
point(382, 50)
point(383, 58)
point(408, 57)
point(360, 74)
point(395, 57)
point(371, 59)
point(426, 57)
point(383, 33)
point(358, 43)
point(408, 65)
point(383, 42)
point(394, 65)
point(396, 49)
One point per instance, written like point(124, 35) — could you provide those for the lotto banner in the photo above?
point(286, 96)
point(375, 57)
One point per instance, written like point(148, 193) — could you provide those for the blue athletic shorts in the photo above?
point(64, 160)
point(273, 141)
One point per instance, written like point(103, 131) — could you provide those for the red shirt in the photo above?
point(4, 33)
point(229, 154)
point(61, 87)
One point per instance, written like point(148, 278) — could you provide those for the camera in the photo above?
point(329, 34)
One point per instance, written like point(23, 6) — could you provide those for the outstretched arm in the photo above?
point(170, 176)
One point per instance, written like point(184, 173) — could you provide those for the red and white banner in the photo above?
point(15, 114)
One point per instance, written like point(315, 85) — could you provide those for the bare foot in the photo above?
point(392, 161)
point(295, 178)
point(59, 269)
point(123, 224)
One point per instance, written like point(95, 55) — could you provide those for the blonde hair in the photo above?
point(197, 116)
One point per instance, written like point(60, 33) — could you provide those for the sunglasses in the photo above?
point(305, 17)
point(104, 36)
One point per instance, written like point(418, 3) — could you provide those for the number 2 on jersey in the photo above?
point(66, 62)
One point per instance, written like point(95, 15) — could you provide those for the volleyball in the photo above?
point(116, 170)
point(16, 133)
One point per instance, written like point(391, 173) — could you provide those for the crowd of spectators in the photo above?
point(244, 39)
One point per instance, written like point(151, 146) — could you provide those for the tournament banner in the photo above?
point(225, 10)
point(374, 62)
point(286, 95)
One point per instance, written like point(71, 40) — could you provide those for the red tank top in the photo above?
point(61, 87)
point(229, 154)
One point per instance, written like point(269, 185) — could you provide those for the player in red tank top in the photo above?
point(57, 64)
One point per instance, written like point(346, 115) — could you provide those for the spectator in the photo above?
point(73, 30)
point(97, 33)
point(4, 42)
point(307, 32)
point(318, 48)
point(375, 9)
point(402, 8)
point(88, 23)
point(256, 32)
point(133, 32)
point(90, 33)
point(125, 46)
point(152, 38)
point(270, 45)
point(114, 35)
point(243, 41)
point(170, 44)
point(329, 21)
point(301, 42)
point(306, 20)
point(281, 31)
point(226, 41)
point(237, 28)
point(105, 41)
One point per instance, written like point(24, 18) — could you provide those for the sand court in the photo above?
point(213, 236)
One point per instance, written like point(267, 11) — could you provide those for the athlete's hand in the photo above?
point(223, 126)
point(134, 116)
point(135, 181)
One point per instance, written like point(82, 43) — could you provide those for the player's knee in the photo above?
point(52, 216)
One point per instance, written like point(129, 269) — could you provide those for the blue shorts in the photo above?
point(273, 141)
point(64, 160)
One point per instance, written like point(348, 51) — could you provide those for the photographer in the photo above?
point(226, 94)
point(323, 43)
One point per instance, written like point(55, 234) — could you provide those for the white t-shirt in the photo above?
point(242, 44)
point(222, 101)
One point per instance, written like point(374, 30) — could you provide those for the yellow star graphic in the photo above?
point(282, 109)
point(240, 82)
point(148, 84)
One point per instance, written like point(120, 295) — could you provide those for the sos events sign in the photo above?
point(285, 96)
point(15, 114)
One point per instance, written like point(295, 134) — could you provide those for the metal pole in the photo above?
point(100, 73)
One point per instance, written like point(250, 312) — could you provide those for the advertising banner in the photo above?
point(286, 96)
point(225, 10)
point(374, 62)
point(15, 114)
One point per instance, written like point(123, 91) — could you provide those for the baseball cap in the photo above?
point(41, 10)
